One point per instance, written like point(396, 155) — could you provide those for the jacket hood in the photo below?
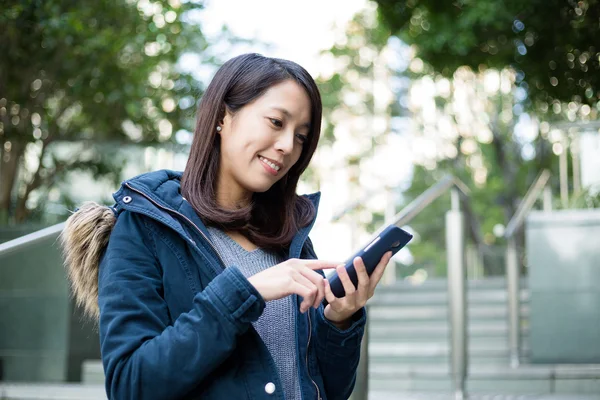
point(83, 241)
point(87, 232)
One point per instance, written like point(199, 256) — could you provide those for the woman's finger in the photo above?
point(361, 272)
point(316, 280)
point(319, 264)
point(379, 270)
point(345, 279)
point(309, 289)
point(305, 292)
point(363, 279)
point(329, 296)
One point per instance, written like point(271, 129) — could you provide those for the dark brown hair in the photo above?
point(272, 218)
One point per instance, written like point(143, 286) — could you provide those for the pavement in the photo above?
point(380, 395)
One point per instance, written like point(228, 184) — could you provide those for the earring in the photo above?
point(219, 129)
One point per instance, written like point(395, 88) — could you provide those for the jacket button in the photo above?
point(270, 388)
point(127, 199)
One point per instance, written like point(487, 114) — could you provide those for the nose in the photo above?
point(285, 142)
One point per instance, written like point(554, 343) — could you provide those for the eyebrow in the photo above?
point(288, 114)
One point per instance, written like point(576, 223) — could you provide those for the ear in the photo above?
point(226, 121)
point(220, 127)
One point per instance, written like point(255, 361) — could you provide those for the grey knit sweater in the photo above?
point(276, 326)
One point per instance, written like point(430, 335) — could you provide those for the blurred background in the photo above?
point(501, 99)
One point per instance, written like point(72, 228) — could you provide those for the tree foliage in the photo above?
point(471, 112)
point(88, 72)
point(550, 50)
point(552, 44)
point(355, 118)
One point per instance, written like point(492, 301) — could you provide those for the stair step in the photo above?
point(435, 349)
point(441, 297)
point(396, 312)
point(409, 345)
point(512, 388)
point(474, 343)
point(436, 284)
point(474, 360)
point(92, 372)
point(524, 372)
point(416, 361)
point(51, 391)
point(383, 330)
point(486, 395)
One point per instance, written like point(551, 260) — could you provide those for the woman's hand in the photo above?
point(340, 309)
point(294, 276)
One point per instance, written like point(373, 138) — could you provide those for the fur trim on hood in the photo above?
point(84, 240)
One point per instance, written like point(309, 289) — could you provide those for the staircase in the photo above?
point(409, 352)
point(409, 344)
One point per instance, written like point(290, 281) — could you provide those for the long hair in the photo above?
point(272, 218)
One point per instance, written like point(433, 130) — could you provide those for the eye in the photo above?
point(277, 123)
point(302, 138)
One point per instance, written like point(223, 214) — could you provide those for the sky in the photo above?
point(297, 30)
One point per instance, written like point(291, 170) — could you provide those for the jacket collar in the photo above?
point(163, 188)
point(160, 186)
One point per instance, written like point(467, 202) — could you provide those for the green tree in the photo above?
point(355, 119)
point(475, 140)
point(552, 44)
point(549, 53)
point(88, 73)
point(474, 120)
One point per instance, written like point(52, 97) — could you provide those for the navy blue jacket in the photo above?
point(175, 324)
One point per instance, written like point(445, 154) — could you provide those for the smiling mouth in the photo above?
point(274, 166)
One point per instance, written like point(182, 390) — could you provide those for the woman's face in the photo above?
point(264, 139)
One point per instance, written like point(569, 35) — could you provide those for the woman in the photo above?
point(205, 283)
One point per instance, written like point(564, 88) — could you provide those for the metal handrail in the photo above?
point(456, 280)
point(400, 219)
point(421, 202)
point(353, 205)
point(512, 259)
point(527, 204)
point(31, 239)
point(426, 198)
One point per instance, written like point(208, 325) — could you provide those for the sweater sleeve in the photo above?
point(144, 356)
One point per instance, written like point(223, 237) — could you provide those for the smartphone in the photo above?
point(391, 239)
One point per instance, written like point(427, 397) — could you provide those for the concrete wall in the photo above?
point(42, 338)
point(563, 250)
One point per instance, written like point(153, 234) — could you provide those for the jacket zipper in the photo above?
point(306, 358)
point(184, 217)
point(223, 264)
point(307, 348)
